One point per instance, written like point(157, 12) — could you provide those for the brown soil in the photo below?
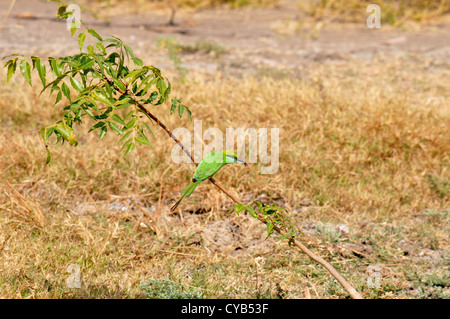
point(257, 40)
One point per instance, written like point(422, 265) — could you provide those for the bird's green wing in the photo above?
point(207, 170)
point(209, 166)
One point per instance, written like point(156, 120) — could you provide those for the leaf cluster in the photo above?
point(105, 82)
point(272, 215)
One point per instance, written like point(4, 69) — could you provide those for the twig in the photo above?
point(2, 246)
point(7, 14)
point(149, 219)
point(32, 209)
point(168, 131)
point(176, 253)
point(287, 284)
point(146, 223)
point(158, 209)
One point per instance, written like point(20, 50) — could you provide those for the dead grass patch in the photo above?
point(359, 142)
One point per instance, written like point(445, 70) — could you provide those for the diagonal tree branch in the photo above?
point(344, 283)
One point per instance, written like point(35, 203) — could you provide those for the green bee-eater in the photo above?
point(209, 165)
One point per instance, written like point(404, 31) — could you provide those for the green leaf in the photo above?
point(269, 229)
point(122, 104)
point(90, 49)
point(131, 123)
point(103, 131)
point(56, 66)
point(260, 205)
point(10, 73)
point(129, 114)
point(11, 69)
point(95, 34)
point(49, 156)
point(45, 135)
point(130, 148)
point(127, 134)
point(66, 132)
point(292, 233)
point(12, 55)
point(25, 69)
point(129, 51)
point(81, 38)
point(109, 91)
point(89, 112)
point(114, 41)
point(76, 84)
point(137, 61)
point(99, 96)
point(180, 110)
point(96, 126)
point(148, 128)
point(42, 71)
point(238, 208)
point(58, 97)
point(54, 88)
point(115, 127)
point(161, 86)
point(142, 139)
point(168, 90)
point(146, 83)
point(73, 30)
point(152, 97)
point(33, 60)
point(174, 105)
point(89, 63)
point(188, 112)
point(66, 91)
point(251, 211)
point(105, 114)
point(61, 10)
point(93, 104)
point(75, 107)
point(135, 74)
point(118, 119)
point(101, 47)
point(119, 84)
point(46, 132)
point(112, 57)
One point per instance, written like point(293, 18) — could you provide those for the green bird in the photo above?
point(209, 165)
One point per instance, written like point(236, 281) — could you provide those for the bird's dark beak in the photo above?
point(239, 160)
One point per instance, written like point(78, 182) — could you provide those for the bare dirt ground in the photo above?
point(256, 40)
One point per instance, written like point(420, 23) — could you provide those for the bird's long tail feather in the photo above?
point(186, 193)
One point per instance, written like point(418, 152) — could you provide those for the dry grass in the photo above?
point(362, 144)
point(398, 13)
point(106, 9)
point(394, 12)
